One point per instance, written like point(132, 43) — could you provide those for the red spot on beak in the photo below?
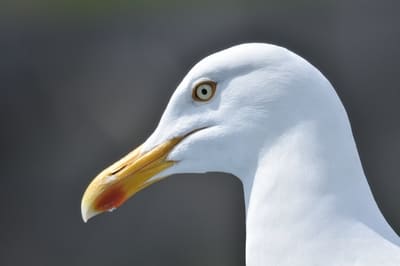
point(110, 199)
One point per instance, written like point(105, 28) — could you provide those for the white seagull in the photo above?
point(267, 116)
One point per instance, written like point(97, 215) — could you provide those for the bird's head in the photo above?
point(218, 117)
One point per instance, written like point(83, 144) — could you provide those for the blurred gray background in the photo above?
point(84, 82)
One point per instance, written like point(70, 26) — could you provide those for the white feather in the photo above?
point(278, 125)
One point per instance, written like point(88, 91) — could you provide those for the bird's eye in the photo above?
point(204, 91)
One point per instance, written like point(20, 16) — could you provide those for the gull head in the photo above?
point(227, 107)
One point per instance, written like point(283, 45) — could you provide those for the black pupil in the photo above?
point(204, 91)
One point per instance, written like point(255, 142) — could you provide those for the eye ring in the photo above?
point(204, 91)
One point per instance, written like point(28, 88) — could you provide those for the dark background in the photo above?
point(84, 82)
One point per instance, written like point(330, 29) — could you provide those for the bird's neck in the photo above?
point(308, 194)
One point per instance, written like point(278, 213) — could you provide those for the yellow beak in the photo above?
point(114, 185)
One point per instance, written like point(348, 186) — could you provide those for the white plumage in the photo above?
point(277, 124)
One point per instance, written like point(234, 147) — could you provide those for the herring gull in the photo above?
point(267, 116)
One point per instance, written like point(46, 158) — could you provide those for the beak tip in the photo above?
point(85, 218)
point(87, 212)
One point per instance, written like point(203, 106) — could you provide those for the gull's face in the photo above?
point(211, 123)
